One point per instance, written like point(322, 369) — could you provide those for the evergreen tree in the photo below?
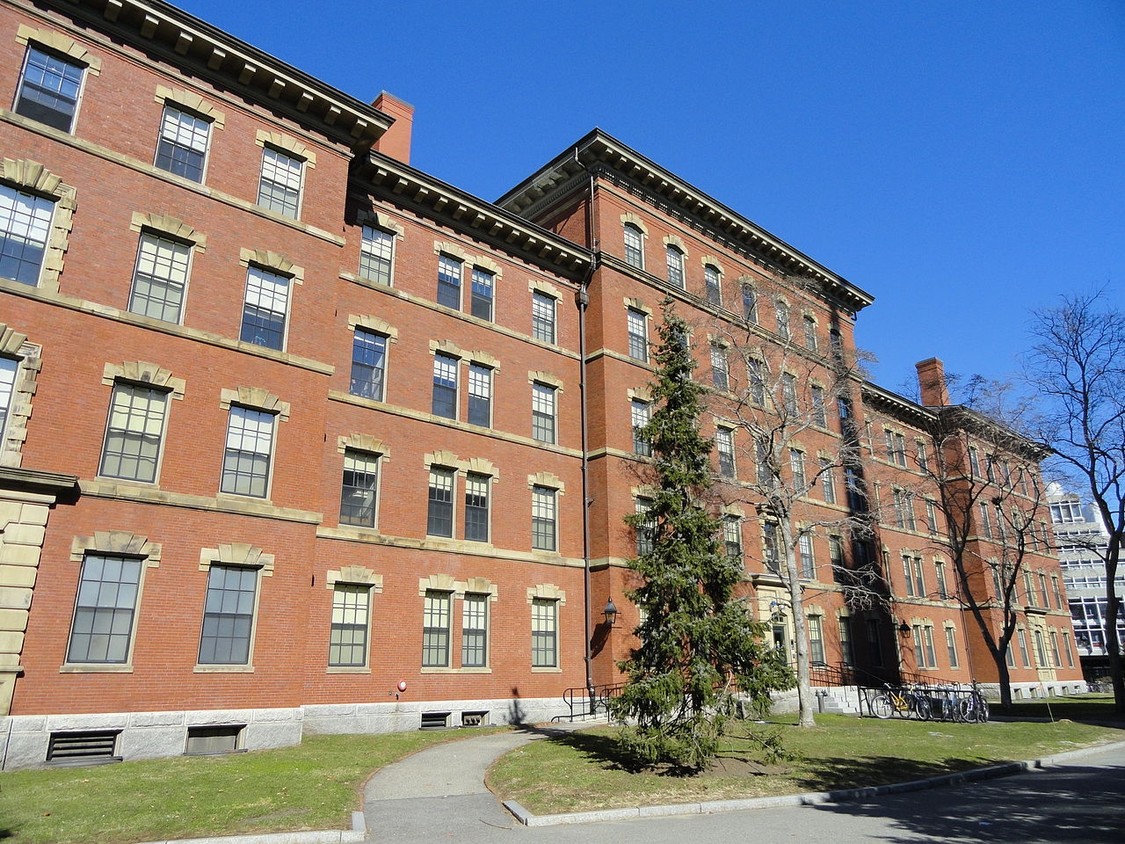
point(701, 659)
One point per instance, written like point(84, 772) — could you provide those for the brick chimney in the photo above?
point(931, 380)
point(396, 140)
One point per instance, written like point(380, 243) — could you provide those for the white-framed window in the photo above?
point(789, 393)
point(974, 462)
point(25, 227)
point(640, 412)
point(836, 558)
point(816, 640)
point(756, 381)
point(732, 537)
point(724, 445)
point(645, 531)
point(49, 88)
point(809, 325)
point(762, 458)
point(951, 647)
point(816, 403)
point(9, 369)
point(771, 546)
point(248, 452)
point(439, 510)
point(182, 146)
point(896, 447)
point(931, 516)
point(714, 285)
point(359, 488)
point(634, 246)
point(544, 633)
point(808, 557)
point(449, 282)
point(369, 364)
point(474, 630)
point(105, 608)
point(160, 277)
point(781, 311)
point(1021, 639)
point(351, 613)
point(797, 469)
point(279, 188)
point(674, 258)
point(637, 324)
point(476, 506)
point(985, 520)
point(265, 308)
point(921, 456)
point(749, 303)
point(939, 577)
point(543, 412)
point(827, 481)
point(544, 518)
point(436, 612)
point(228, 615)
point(480, 395)
point(847, 649)
point(445, 386)
point(720, 367)
point(133, 433)
point(376, 255)
point(543, 316)
point(483, 293)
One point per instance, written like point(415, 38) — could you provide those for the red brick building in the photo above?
point(294, 437)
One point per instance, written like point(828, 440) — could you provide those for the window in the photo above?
point(714, 285)
point(874, 642)
point(1046, 601)
point(797, 469)
point(928, 646)
point(853, 485)
point(347, 640)
point(1040, 650)
point(847, 652)
point(1056, 656)
point(1054, 578)
point(899, 498)
point(827, 481)
point(756, 381)
point(9, 368)
point(732, 537)
point(1069, 652)
point(819, 411)
point(720, 371)
point(675, 261)
point(474, 631)
point(279, 188)
point(369, 364)
point(132, 436)
point(359, 488)
point(640, 413)
point(445, 386)
point(816, 640)
point(646, 528)
point(771, 546)
point(637, 322)
point(476, 507)
point(908, 577)
point(228, 615)
point(789, 393)
point(762, 458)
point(544, 633)
point(449, 282)
point(376, 255)
point(482, 293)
point(439, 514)
point(1025, 657)
point(1066, 513)
point(951, 646)
point(974, 461)
point(809, 325)
point(724, 445)
point(919, 580)
point(543, 412)
point(25, 225)
point(939, 573)
point(49, 89)
point(182, 146)
point(896, 448)
point(160, 278)
point(435, 629)
point(931, 516)
point(634, 246)
point(808, 560)
point(542, 317)
point(836, 343)
point(543, 517)
point(246, 460)
point(836, 558)
point(921, 456)
point(263, 314)
point(985, 520)
point(781, 311)
point(480, 395)
point(908, 510)
point(749, 303)
point(104, 610)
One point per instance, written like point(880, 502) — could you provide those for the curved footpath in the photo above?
point(438, 794)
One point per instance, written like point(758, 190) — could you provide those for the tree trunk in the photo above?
point(805, 696)
point(1005, 681)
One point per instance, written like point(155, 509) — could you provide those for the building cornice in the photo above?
point(196, 46)
point(461, 211)
point(897, 406)
point(33, 480)
point(599, 152)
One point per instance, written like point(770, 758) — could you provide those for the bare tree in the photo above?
point(1078, 367)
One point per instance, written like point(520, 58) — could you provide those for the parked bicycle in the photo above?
point(905, 703)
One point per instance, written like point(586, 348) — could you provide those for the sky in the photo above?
point(963, 162)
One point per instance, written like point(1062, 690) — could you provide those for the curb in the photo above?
point(810, 798)
point(356, 835)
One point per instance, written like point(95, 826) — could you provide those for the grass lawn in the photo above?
point(583, 770)
point(1090, 707)
point(315, 785)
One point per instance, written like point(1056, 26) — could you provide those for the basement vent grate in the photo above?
point(84, 748)
point(215, 739)
point(435, 720)
point(474, 719)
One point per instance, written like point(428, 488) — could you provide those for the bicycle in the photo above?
point(909, 702)
point(973, 706)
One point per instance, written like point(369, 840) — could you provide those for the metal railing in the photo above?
point(582, 702)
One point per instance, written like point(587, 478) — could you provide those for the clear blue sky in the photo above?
point(962, 161)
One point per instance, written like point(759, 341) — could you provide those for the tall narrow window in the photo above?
point(920, 456)
point(809, 325)
point(1025, 657)
point(9, 368)
point(720, 368)
point(724, 445)
point(847, 651)
point(749, 303)
point(781, 311)
point(279, 188)
point(480, 395)
point(638, 334)
point(160, 278)
point(474, 631)
point(359, 488)
point(435, 629)
point(928, 645)
point(482, 293)
point(544, 633)
point(939, 574)
point(816, 640)
point(797, 469)
point(762, 458)
point(675, 262)
point(104, 610)
point(836, 558)
point(228, 615)
point(445, 386)
point(49, 89)
point(874, 642)
point(919, 579)
point(974, 461)
point(1056, 656)
point(542, 317)
point(756, 383)
point(351, 609)
point(476, 507)
point(182, 147)
point(819, 411)
point(836, 343)
point(439, 513)
point(931, 516)
point(25, 225)
point(376, 255)
point(713, 281)
point(449, 282)
point(808, 559)
point(896, 447)
point(951, 646)
point(640, 412)
point(369, 364)
point(543, 420)
point(1040, 650)
point(827, 481)
point(646, 529)
point(246, 460)
point(789, 393)
point(771, 546)
point(908, 575)
point(985, 520)
point(732, 537)
point(265, 308)
point(1054, 578)
point(133, 434)
point(543, 518)
point(634, 247)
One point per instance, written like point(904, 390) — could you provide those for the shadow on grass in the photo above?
point(832, 774)
point(1084, 712)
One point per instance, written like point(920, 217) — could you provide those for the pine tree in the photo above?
point(700, 659)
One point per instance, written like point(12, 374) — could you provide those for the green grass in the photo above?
point(315, 785)
point(584, 771)
point(1089, 707)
